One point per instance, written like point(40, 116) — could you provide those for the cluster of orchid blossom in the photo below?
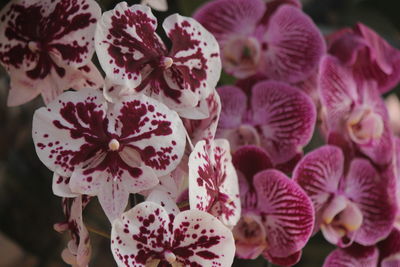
point(213, 164)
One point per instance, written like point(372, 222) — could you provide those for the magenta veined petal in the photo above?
point(287, 212)
point(234, 106)
point(147, 234)
point(226, 19)
point(282, 112)
point(292, 46)
point(319, 173)
point(39, 54)
point(354, 256)
point(370, 192)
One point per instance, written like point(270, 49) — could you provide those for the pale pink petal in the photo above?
point(370, 193)
point(234, 105)
point(139, 234)
point(355, 256)
point(287, 212)
point(61, 186)
point(285, 116)
point(319, 174)
point(227, 18)
point(22, 89)
point(292, 46)
point(338, 92)
point(125, 38)
point(59, 130)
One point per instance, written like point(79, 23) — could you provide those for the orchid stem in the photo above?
point(98, 232)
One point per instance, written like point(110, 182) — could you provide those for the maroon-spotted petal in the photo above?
point(213, 182)
point(338, 91)
point(319, 173)
point(125, 40)
point(354, 256)
point(370, 193)
point(234, 105)
point(226, 19)
point(292, 46)
point(285, 117)
point(61, 186)
point(43, 43)
point(287, 212)
point(147, 234)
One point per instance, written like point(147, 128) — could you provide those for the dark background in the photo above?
point(28, 209)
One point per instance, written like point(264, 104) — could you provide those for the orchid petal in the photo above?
point(355, 256)
point(61, 186)
point(293, 46)
point(234, 105)
point(287, 210)
point(286, 117)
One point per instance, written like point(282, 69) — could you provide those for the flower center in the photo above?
point(113, 145)
point(33, 46)
point(167, 62)
point(169, 257)
point(364, 125)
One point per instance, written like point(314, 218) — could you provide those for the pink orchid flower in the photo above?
point(385, 254)
point(79, 250)
point(355, 112)
point(151, 235)
point(368, 55)
point(277, 215)
point(213, 182)
point(46, 47)
point(133, 56)
point(276, 39)
point(108, 149)
point(278, 117)
point(351, 206)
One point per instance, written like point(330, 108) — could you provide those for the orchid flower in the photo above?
point(213, 183)
point(368, 55)
point(151, 235)
point(134, 57)
point(352, 206)
point(285, 45)
point(278, 117)
point(385, 254)
point(355, 112)
point(46, 47)
point(277, 215)
point(108, 150)
point(78, 251)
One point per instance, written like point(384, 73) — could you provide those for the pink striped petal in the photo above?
point(234, 105)
point(287, 212)
point(292, 46)
point(285, 116)
point(338, 92)
point(369, 192)
point(319, 174)
point(285, 261)
point(226, 19)
point(355, 256)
